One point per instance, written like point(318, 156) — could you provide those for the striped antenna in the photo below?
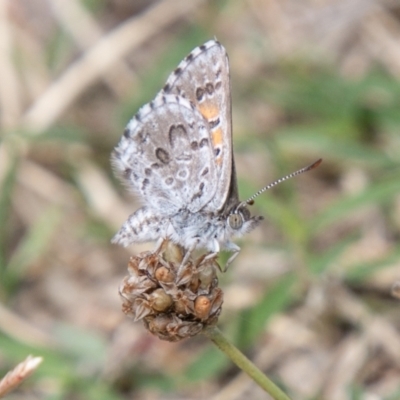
point(250, 201)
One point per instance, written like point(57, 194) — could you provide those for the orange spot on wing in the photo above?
point(209, 111)
point(216, 137)
point(217, 141)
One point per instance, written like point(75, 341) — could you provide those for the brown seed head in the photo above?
point(172, 307)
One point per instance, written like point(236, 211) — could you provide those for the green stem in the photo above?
point(244, 363)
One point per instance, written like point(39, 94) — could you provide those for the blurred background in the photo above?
point(312, 299)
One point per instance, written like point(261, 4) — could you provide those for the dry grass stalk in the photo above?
point(22, 371)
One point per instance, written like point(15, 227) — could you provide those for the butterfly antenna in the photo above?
point(250, 200)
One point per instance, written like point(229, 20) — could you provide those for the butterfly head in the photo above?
point(239, 218)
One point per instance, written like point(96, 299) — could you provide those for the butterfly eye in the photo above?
point(235, 221)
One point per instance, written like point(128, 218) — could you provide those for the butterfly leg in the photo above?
point(214, 253)
point(230, 246)
point(186, 257)
point(159, 245)
point(235, 249)
point(212, 256)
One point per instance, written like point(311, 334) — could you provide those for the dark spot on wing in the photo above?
point(205, 171)
point(183, 173)
point(203, 142)
point(163, 155)
point(134, 176)
point(145, 183)
point(143, 136)
point(199, 94)
point(199, 193)
point(213, 123)
point(176, 133)
point(127, 173)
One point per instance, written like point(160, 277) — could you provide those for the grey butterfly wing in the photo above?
point(203, 78)
point(165, 156)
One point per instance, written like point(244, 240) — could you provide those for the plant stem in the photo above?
point(244, 363)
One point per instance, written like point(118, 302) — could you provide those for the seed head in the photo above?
point(172, 307)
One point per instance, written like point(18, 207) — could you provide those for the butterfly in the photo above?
point(176, 154)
